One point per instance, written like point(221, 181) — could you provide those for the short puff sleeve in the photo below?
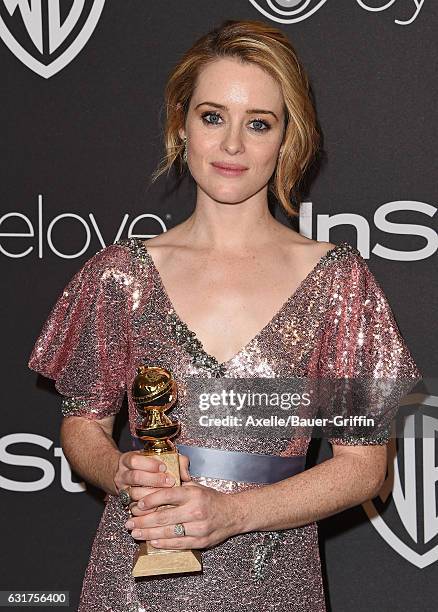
point(363, 345)
point(83, 343)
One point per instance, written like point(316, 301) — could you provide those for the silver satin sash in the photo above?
point(235, 465)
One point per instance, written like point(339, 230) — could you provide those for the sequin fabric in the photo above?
point(115, 314)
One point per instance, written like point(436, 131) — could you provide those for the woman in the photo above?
point(266, 302)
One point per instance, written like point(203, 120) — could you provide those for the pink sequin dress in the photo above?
point(114, 315)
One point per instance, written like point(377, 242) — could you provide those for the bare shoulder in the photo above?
point(167, 238)
point(164, 245)
point(306, 250)
point(321, 248)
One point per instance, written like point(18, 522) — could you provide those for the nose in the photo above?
point(232, 141)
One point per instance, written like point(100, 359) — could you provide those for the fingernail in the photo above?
point(136, 533)
point(129, 524)
point(163, 467)
point(141, 504)
point(170, 480)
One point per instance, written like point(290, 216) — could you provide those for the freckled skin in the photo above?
point(239, 87)
point(227, 519)
point(95, 339)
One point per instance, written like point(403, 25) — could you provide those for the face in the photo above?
point(234, 129)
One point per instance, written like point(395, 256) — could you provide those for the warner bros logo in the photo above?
point(405, 511)
point(47, 35)
point(288, 11)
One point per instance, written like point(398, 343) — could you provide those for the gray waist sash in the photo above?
point(235, 465)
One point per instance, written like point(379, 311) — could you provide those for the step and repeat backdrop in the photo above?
point(81, 133)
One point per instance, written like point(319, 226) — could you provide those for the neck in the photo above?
point(231, 227)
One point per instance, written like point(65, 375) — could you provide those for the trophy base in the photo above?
point(150, 561)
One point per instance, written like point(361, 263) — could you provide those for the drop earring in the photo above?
point(185, 150)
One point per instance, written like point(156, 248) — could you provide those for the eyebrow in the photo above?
point(252, 111)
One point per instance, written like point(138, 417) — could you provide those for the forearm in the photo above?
point(330, 487)
point(91, 452)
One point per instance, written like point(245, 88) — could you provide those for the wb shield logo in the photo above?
point(287, 11)
point(405, 512)
point(47, 36)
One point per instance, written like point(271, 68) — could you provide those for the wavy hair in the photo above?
point(267, 47)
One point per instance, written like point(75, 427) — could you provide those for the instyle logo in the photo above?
point(293, 11)
point(382, 221)
point(43, 48)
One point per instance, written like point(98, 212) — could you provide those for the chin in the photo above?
point(229, 194)
point(230, 198)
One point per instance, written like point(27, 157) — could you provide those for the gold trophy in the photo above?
point(154, 391)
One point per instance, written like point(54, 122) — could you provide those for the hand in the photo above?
point(209, 517)
point(144, 474)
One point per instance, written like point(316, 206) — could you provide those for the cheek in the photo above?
point(203, 142)
point(265, 158)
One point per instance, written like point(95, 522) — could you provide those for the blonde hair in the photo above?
point(266, 46)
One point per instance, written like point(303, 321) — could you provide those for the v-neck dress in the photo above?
point(115, 314)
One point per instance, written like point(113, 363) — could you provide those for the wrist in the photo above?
point(115, 484)
point(240, 512)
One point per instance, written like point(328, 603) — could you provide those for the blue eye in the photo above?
point(214, 115)
point(264, 125)
point(212, 118)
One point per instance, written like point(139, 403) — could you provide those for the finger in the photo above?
point(136, 460)
point(182, 543)
point(138, 493)
point(141, 478)
point(155, 533)
point(184, 467)
point(136, 511)
point(162, 517)
point(173, 495)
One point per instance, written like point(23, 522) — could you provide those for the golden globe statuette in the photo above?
point(154, 391)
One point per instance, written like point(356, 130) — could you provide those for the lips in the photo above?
point(228, 166)
point(229, 170)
